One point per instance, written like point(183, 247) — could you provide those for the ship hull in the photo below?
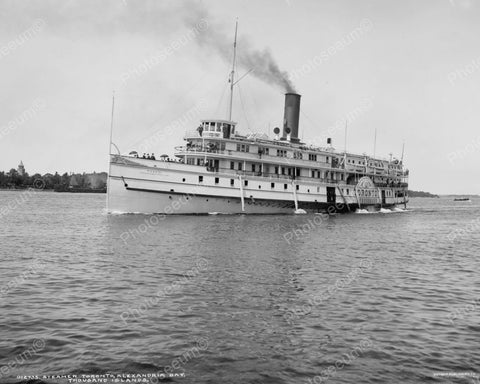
point(158, 187)
point(139, 200)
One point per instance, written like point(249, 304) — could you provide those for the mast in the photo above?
point(345, 154)
point(111, 122)
point(232, 74)
point(109, 152)
point(374, 153)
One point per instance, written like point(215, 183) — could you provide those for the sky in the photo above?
point(409, 70)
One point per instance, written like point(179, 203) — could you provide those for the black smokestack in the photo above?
point(291, 116)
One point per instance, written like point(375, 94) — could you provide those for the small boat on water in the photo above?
point(461, 199)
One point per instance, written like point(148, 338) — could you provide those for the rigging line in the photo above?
point(217, 110)
point(309, 120)
point(157, 129)
point(158, 119)
point(243, 107)
point(251, 96)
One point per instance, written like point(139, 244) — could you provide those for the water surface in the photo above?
point(375, 298)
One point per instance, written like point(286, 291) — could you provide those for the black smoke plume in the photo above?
point(220, 38)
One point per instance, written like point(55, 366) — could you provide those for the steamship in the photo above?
point(220, 170)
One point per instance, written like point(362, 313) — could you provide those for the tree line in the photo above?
point(14, 180)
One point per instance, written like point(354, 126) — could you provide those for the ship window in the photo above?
point(246, 183)
point(217, 180)
point(253, 167)
point(243, 148)
point(266, 150)
point(285, 186)
point(259, 187)
point(276, 170)
point(240, 166)
point(297, 187)
point(200, 179)
point(283, 170)
point(272, 185)
point(313, 173)
point(219, 128)
point(232, 182)
point(348, 191)
point(328, 159)
point(298, 171)
point(308, 190)
point(232, 165)
point(183, 180)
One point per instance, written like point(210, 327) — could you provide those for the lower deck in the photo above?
point(145, 186)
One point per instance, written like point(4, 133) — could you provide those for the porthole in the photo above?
point(183, 180)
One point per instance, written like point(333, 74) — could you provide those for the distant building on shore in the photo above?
point(21, 169)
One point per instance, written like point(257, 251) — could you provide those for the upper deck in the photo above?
point(218, 139)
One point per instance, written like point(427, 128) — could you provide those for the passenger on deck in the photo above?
point(143, 157)
point(153, 157)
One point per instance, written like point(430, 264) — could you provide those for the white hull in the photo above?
point(167, 203)
point(146, 186)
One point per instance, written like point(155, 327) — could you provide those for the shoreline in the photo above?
point(47, 190)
